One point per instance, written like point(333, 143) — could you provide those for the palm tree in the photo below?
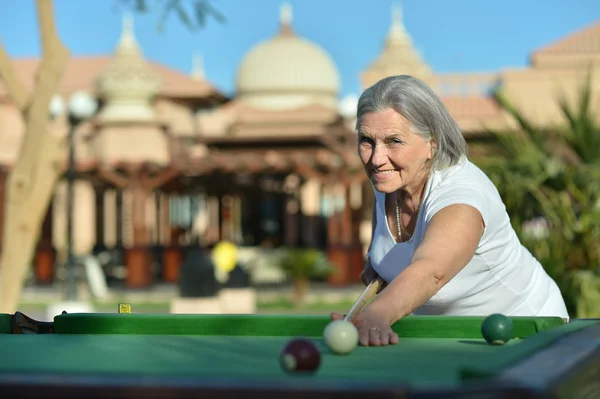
point(552, 174)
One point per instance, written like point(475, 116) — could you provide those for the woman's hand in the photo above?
point(373, 328)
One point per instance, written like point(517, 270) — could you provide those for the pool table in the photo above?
point(133, 355)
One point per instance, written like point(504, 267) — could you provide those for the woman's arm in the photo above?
point(449, 243)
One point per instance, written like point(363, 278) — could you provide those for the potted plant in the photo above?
point(303, 264)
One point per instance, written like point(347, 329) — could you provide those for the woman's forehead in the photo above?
point(384, 132)
point(388, 119)
point(382, 126)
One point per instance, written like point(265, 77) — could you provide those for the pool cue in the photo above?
point(369, 293)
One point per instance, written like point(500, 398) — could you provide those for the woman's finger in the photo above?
point(336, 316)
point(363, 336)
point(374, 336)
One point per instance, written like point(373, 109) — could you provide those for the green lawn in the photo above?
point(275, 306)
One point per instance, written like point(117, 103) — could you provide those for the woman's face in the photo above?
point(393, 157)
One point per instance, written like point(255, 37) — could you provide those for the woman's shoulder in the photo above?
point(462, 177)
point(463, 183)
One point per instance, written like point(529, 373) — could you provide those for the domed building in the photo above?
point(170, 161)
point(124, 159)
point(283, 132)
point(287, 72)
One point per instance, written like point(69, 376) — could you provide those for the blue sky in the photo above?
point(453, 35)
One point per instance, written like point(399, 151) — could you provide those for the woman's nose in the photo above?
point(379, 155)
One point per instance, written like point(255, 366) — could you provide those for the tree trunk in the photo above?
point(301, 289)
point(25, 211)
point(39, 164)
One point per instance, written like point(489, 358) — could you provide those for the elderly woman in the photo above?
point(442, 240)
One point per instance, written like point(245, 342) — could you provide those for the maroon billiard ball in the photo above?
point(300, 355)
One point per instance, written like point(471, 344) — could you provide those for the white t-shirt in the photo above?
point(502, 277)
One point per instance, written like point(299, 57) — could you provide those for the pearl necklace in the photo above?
point(399, 225)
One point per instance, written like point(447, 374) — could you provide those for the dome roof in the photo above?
point(127, 84)
point(287, 71)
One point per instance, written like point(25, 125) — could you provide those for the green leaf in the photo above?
point(192, 13)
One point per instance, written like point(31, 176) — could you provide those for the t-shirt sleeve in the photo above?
point(458, 194)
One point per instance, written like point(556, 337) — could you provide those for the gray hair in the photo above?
point(425, 112)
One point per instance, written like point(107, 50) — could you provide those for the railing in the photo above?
point(467, 85)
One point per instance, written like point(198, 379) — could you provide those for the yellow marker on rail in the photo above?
point(124, 308)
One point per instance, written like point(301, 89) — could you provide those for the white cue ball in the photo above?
point(341, 336)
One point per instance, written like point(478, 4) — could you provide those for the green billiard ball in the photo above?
point(497, 329)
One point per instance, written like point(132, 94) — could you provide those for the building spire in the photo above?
point(127, 24)
point(397, 30)
point(285, 14)
point(128, 83)
point(127, 43)
point(285, 19)
point(198, 67)
point(398, 55)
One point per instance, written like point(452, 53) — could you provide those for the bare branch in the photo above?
point(162, 178)
point(51, 69)
point(113, 178)
point(8, 74)
point(48, 33)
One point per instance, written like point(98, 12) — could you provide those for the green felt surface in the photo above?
point(416, 360)
point(526, 348)
point(443, 351)
point(279, 325)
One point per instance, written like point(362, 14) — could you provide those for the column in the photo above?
point(119, 221)
point(172, 255)
point(340, 235)
point(226, 222)
point(100, 219)
point(138, 254)
point(291, 220)
point(350, 233)
point(310, 203)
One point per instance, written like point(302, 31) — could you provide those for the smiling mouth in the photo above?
point(384, 172)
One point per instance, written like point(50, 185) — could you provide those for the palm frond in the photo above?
point(531, 132)
point(192, 13)
point(581, 133)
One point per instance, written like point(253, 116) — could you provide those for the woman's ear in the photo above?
point(432, 149)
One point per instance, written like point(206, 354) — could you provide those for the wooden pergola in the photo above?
point(221, 166)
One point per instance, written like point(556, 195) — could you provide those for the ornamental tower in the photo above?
point(128, 84)
point(398, 56)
